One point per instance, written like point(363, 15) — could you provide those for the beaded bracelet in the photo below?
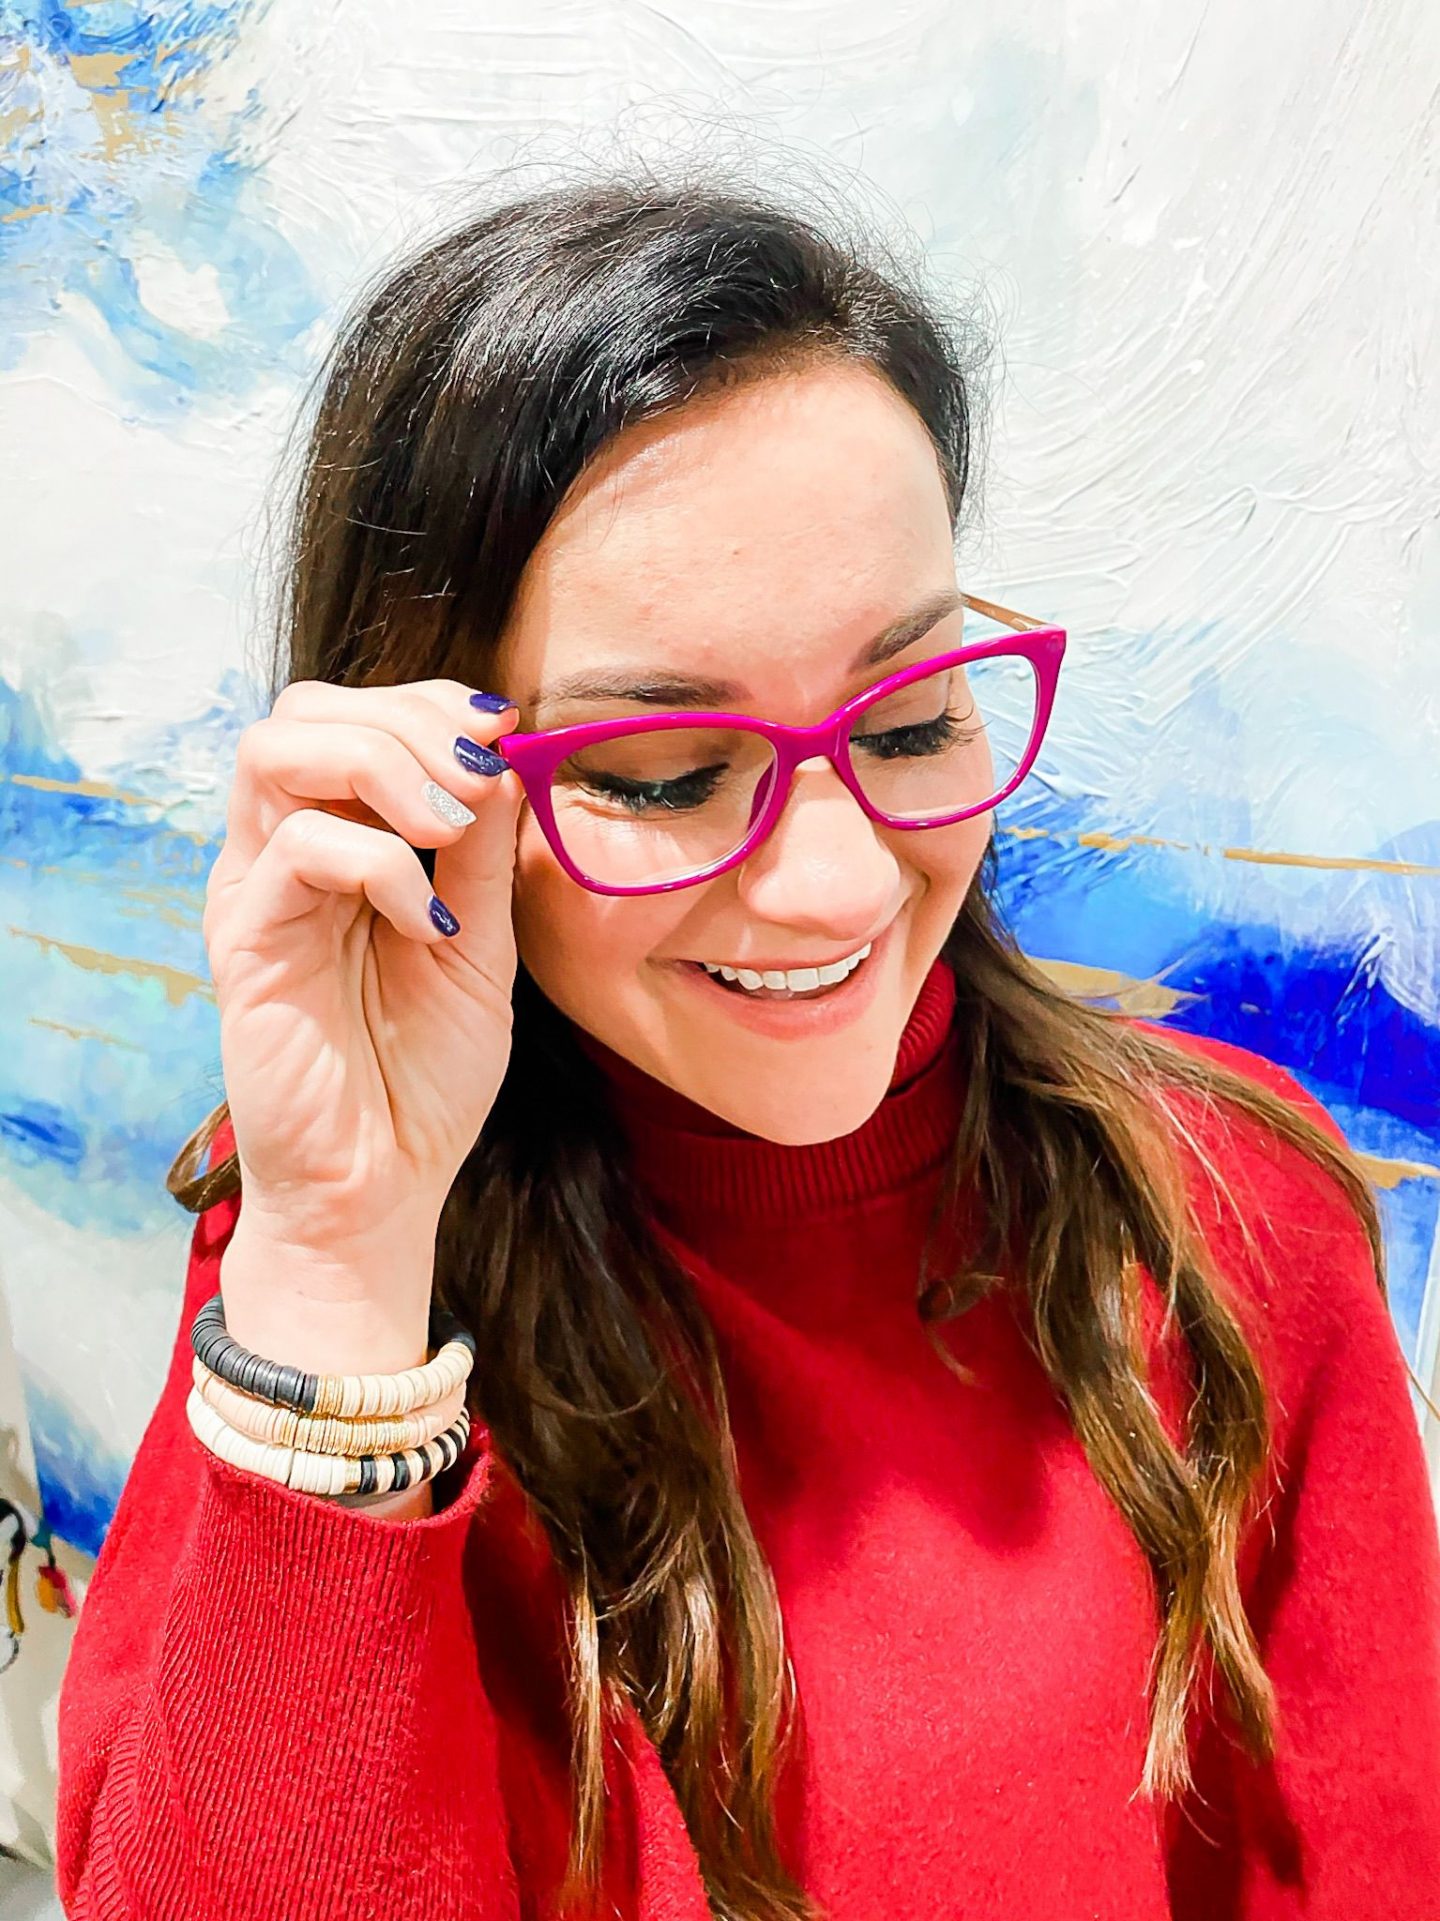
point(327, 1474)
point(322, 1434)
point(346, 1395)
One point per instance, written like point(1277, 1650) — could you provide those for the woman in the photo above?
point(937, 1448)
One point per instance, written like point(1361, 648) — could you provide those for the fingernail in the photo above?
point(476, 759)
point(442, 916)
point(453, 812)
point(490, 703)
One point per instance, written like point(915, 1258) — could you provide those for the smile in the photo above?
point(788, 980)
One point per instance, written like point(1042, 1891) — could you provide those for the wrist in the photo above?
point(357, 1307)
point(322, 1242)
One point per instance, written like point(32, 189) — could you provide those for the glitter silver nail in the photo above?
point(453, 812)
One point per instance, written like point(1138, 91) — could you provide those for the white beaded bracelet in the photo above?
point(326, 1474)
point(322, 1434)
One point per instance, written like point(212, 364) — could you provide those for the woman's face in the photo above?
point(761, 538)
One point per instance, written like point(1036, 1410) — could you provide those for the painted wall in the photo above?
point(1207, 235)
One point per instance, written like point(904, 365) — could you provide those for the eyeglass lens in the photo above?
point(641, 809)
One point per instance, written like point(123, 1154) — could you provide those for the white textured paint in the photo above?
point(1207, 237)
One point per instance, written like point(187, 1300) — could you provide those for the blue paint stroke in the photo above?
point(89, 1124)
point(1313, 1007)
point(79, 1472)
point(75, 221)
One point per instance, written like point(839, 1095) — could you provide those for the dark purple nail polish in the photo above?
point(490, 703)
point(442, 916)
point(476, 759)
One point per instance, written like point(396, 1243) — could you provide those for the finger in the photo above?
point(380, 706)
point(313, 855)
point(413, 784)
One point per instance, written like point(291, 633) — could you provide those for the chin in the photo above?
point(816, 1115)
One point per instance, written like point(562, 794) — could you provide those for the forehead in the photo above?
point(759, 536)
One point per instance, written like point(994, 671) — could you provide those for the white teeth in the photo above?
point(793, 980)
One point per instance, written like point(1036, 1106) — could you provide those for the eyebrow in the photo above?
point(652, 689)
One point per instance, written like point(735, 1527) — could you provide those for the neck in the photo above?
point(691, 1163)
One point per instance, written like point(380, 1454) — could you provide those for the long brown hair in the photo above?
point(463, 397)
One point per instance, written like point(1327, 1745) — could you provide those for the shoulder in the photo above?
point(1286, 1241)
point(1240, 1150)
point(1252, 1066)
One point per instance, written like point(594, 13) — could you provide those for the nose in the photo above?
point(824, 867)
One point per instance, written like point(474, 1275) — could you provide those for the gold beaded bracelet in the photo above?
point(326, 1474)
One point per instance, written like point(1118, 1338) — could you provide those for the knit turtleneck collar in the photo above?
point(692, 1164)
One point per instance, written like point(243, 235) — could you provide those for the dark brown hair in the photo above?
point(462, 399)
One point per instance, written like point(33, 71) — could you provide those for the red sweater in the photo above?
point(281, 1710)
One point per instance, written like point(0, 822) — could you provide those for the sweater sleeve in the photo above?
point(273, 1706)
point(1342, 1588)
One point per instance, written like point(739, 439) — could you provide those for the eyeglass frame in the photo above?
point(535, 756)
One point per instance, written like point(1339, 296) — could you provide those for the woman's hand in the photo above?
point(362, 1046)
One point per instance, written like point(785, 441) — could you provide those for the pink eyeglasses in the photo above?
point(642, 805)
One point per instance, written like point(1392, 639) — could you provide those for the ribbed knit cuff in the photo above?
point(317, 1706)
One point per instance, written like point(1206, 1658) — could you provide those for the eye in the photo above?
point(916, 739)
point(676, 795)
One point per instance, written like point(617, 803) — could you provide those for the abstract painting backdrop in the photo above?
point(1206, 235)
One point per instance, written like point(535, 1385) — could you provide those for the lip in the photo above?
point(805, 1017)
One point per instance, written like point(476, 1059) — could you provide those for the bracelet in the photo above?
point(329, 1394)
point(323, 1434)
point(328, 1474)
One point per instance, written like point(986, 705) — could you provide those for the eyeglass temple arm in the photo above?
point(1005, 615)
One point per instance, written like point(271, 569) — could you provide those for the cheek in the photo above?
point(586, 952)
point(945, 860)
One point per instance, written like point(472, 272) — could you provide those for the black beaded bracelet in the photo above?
point(450, 1446)
point(277, 1382)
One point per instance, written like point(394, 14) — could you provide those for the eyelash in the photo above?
point(919, 739)
point(635, 796)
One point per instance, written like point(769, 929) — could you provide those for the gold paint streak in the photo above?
point(97, 70)
point(1386, 1173)
point(185, 919)
point(1117, 844)
point(99, 74)
point(1142, 999)
point(91, 789)
point(175, 904)
point(102, 790)
point(25, 213)
point(1338, 861)
point(12, 123)
point(117, 128)
point(86, 1033)
point(178, 984)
